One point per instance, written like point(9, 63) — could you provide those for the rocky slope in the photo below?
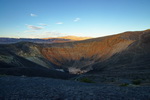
point(82, 56)
point(124, 55)
point(24, 59)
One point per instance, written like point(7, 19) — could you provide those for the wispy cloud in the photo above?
point(33, 15)
point(46, 34)
point(34, 27)
point(53, 33)
point(41, 34)
point(42, 24)
point(76, 19)
point(59, 23)
point(29, 31)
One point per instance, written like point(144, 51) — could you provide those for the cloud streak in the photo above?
point(29, 31)
point(76, 19)
point(42, 24)
point(59, 23)
point(34, 27)
point(47, 34)
point(33, 15)
point(53, 33)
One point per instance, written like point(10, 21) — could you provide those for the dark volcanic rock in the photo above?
point(18, 88)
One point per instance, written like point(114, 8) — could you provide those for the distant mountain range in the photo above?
point(121, 56)
point(4, 40)
point(75, 38)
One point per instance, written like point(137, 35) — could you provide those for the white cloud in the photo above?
point(47, 34)
point(59, 23)
point(34, 27)
point(29, 31)
point(76, 19)
point(52, 33)
point(42, 24)
point(41, 34)
point(33, 15)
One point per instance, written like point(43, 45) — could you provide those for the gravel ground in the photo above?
point(37, 88)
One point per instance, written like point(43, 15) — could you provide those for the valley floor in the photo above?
point(37, 88)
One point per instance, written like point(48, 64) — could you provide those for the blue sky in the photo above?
point(52, 18)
